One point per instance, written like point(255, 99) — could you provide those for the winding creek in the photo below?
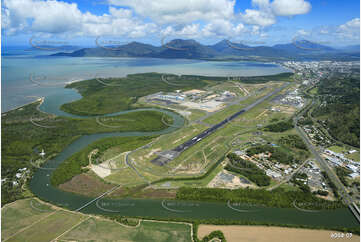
point(40, 185)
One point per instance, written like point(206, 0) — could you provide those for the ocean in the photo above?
point(29, 74)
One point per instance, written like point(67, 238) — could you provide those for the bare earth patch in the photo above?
point(153, 151)
point(235, 183)
point(103, 170)
point(157, 193)
point(179, 139)
point(86, 184)
point(237, 233)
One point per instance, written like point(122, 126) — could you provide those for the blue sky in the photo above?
point(252, 22)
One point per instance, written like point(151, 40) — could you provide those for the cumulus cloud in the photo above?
point(50, 17)
point(216, 28)
point(217, 16)
point(185, 31)
point(177, 18)
point(138, 18)
point(343, 34)
point(258, 17)
point(350, 29)
point(187, 19)
point(55, 17)
point(290, 7)
point(185, 11)
point(222, 28)
point(266, 12)
point(303, 32)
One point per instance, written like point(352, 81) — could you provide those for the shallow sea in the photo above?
point(27, 75)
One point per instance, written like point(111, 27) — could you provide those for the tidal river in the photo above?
point(41, 187)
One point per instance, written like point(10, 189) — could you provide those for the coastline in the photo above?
point(104, 73)
point(40, 99)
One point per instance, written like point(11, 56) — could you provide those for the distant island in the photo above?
point(223, 50)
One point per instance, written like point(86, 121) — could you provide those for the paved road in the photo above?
point(211, 130)
point(130, 163)
point(288, 177)
point(170, 155)
point(325, 167)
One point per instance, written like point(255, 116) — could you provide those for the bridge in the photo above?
point(325, 167)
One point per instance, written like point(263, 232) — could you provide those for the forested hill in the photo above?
point(223, 50)
point(340, 108)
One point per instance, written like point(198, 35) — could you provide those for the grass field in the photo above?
point(229, 86)
point(221, 115)
point(26, 221)
point(354, 156)
point(339, 149)
point(126, 176)
point(313, 91)
point(232, 136)
point(199, 158)
point(288, 187)
point(50, 227)
point(196, 114)
point(103, 230)
point(116, 155)
point(142, 157)
point(32, 220)
point(196, 183)
point(258, 92)
point(20, 214)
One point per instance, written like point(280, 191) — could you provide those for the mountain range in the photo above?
point(223, 50)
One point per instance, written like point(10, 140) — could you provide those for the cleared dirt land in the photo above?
point(86, 184)
point(235, 233)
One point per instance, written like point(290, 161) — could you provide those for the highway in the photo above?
point(170, 155)
point(325, 167)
